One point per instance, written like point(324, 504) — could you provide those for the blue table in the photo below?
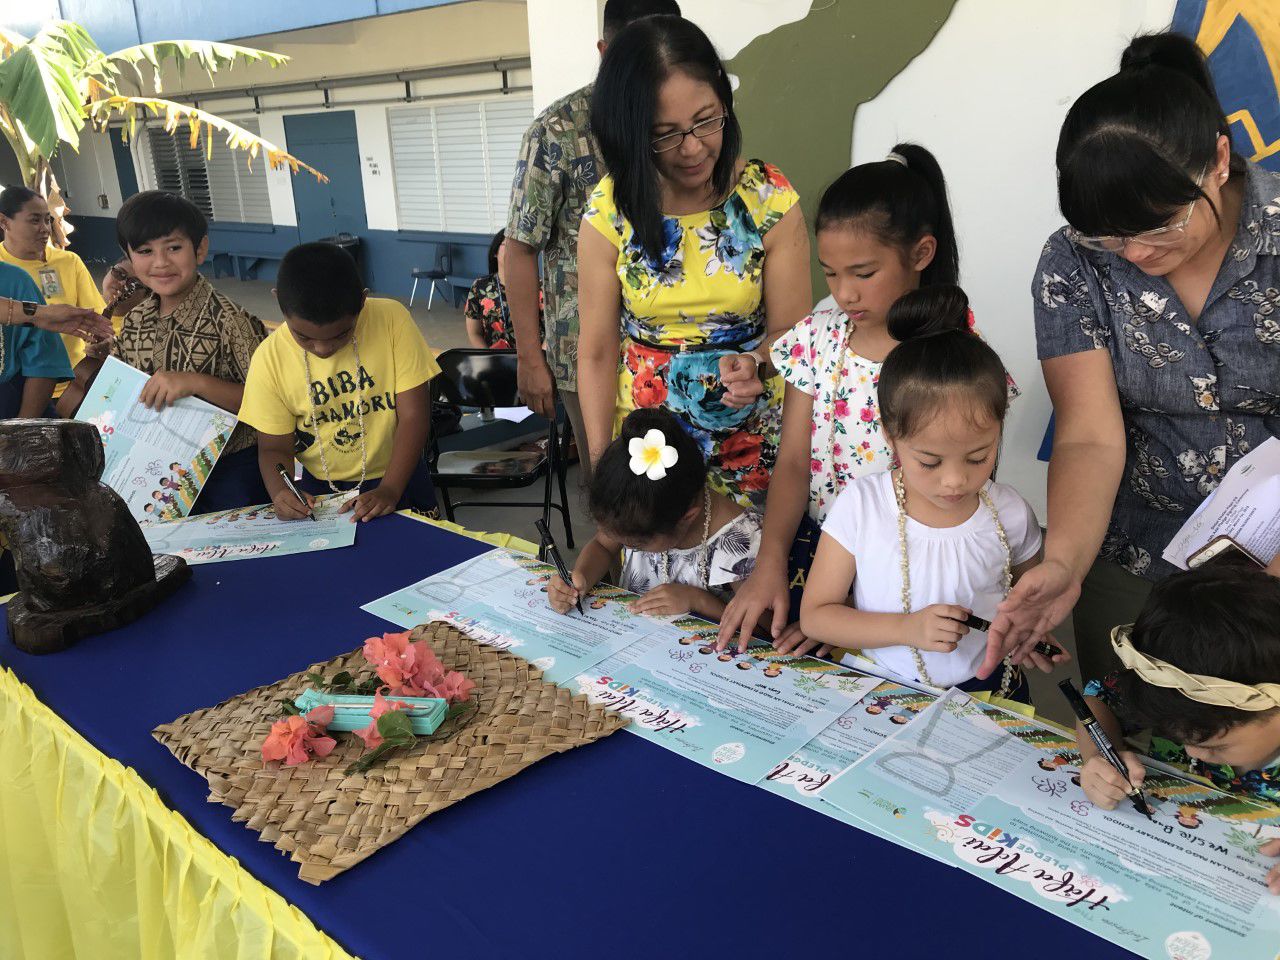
point(658, 855)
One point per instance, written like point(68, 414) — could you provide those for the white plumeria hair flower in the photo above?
point(651, 455)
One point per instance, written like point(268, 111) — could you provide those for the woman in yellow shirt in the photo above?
point(61, 275)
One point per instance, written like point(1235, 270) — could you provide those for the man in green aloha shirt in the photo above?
point(557, 169)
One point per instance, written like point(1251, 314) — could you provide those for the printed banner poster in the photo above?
point(157, 460)
point(740, 714)
point(500, 598)
point(248, 532)
point(1186, 883)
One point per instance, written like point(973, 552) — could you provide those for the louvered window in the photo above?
point(453, 162)
point(221, 182)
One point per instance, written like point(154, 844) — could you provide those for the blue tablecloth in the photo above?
point(655, 854)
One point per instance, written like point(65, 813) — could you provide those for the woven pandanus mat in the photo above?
point(327, 821)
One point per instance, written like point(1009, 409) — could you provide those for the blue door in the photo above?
point(327, 141)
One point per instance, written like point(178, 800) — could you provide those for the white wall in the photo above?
point(85, 175)
point(562, 47)
point(988, 97)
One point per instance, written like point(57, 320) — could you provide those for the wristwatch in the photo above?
point(30, 308)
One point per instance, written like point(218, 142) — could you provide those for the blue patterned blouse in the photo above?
point(1196, 395)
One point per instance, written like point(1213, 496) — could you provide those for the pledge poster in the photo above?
point(500, 599)
point(157, 460)
point(1186, 883)
point(248, 532)
point(740, 714)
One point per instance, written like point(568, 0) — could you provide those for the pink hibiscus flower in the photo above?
point(867, 414)
point(297, 739)
point(841, 408)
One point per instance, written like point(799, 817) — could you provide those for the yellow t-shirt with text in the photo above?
point(394, 358)
point(63, 278)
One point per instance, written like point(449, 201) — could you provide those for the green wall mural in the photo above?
point(801, 84)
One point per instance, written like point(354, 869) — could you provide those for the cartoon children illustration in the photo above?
point(773, 670)
point(744, 664)
point(1188, 816)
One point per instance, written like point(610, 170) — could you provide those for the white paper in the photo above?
point(1245, 507)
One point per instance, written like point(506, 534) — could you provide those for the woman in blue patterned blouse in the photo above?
point(1158, 328)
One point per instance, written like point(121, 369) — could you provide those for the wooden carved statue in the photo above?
point(82, 562)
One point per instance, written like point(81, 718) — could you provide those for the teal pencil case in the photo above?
point(352, 712)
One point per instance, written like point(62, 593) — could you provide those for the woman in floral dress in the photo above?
point(692, 261)
point(1156, 325)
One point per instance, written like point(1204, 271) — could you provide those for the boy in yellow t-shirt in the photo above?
point(343, 386)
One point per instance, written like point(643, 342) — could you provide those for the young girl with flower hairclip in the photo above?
point(685, 547)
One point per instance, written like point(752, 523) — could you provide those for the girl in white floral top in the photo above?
point(685, 546)
point(883, 229)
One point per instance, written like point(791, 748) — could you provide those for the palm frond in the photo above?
point(198, 121)
point(206, 54)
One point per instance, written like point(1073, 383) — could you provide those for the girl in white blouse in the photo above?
point(934, 542)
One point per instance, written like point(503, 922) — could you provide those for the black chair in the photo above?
point(437, 274)
point(484, 379)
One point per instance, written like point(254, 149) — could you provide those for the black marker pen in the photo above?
point(1103, 743)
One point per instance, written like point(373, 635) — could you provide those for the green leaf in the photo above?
point(368, 688)
point(395, 726)
point(38, 86)
point(317, 680)
point(207, 55)
point(289, 708)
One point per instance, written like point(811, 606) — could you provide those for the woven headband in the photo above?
point(1210, 690)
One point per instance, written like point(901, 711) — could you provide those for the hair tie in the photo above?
point(1195, 686)
point(898, 158)
point(651, 455)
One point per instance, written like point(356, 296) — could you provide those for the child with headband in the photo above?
point(1202, 673)
point(685, 547)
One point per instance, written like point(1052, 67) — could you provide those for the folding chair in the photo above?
point(485, 379)
point(437, 274)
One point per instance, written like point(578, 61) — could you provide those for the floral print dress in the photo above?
point(846, 440)
point(699, 299)
point(1196, 395)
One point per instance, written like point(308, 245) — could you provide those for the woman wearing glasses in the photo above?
point(691, 259)
point(1158, 328)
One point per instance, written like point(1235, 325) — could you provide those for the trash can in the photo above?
point(350, 243)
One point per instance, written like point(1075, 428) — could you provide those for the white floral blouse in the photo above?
point(813, 359)
point(1195, 395)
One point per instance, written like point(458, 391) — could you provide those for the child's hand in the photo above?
point(1103, 784)
point(937, 628)
point(668, 599)
point(562, 596)
point(794, 642)
point(765, 589)
point(165, 388)
point(377, 502)
point(98, 349)
point(1272, 849)
point(287, 506)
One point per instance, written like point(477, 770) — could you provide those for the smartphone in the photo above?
point(1222, 549)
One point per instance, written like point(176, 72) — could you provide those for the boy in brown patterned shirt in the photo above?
point(192, 340)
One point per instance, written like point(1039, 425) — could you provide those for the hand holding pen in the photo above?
point(288, 510)
point(1111, 775)
point(560, 597)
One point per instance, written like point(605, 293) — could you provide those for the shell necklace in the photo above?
point(704, 554)
point(900, 494)
point(315, 423)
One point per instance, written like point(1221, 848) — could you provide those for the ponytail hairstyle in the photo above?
point(900, 200)
point(633, 507)
point(1133, 146)
point(937, 357)
point(635, 65)
point(13, 199)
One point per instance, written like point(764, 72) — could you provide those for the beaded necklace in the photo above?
point(900, 494)
point(704, 555)
point(315, 423)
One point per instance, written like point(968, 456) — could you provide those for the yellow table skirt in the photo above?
point(93, 865)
